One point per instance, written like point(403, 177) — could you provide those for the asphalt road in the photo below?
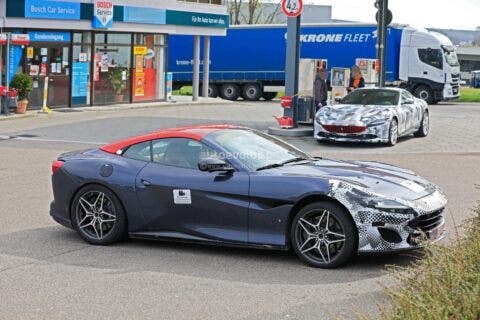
point(47, 272)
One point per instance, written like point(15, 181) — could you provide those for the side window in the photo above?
point(404, 97)
point(432, 57)
point(180, 152)
point(139, 151)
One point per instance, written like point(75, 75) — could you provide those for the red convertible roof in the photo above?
point(191, 132)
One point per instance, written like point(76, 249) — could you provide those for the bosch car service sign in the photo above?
point(292, 8)
point(103, 14)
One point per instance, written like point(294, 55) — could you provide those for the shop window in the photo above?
point(148, 81)
point(81, 61)
point(111, 61)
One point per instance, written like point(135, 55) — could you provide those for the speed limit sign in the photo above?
point(292, 8)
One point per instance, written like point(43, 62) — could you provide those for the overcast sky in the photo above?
point(450, 14)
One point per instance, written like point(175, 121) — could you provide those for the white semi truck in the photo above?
point(250, 60)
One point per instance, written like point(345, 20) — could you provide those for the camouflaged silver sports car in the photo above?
point(379, 115)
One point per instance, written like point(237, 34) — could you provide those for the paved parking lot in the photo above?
point(47, 272)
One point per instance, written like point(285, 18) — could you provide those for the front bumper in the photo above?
point(383, 231)
point(373, 134)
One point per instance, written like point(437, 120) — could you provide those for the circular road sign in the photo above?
point(292, 8)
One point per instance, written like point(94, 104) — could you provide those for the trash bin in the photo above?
point(305, 110)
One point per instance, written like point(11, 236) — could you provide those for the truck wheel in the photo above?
point(251, 92)
point(269, 95)
point(230, 91)
point(424, 93)
point(212, 91)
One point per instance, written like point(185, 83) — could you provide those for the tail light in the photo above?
point(57, 165)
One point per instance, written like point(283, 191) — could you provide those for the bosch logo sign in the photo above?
point(103, 14)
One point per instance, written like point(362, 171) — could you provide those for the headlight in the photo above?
point(377, 122)
point(393, 206)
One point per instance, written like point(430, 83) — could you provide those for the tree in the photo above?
point(253, 11)
point(234, 7)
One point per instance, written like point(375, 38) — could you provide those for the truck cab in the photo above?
point(429, 65)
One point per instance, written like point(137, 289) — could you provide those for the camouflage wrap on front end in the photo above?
point(370, 220)
point(376, 119)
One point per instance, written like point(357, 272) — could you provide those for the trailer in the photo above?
point(250, 61)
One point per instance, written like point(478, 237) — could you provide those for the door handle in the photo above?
point(146, 183)
point(425, 72)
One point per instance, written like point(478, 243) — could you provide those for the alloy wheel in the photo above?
point(320, 236)
point(425, 123)
point(393, 133)
point(95, 214)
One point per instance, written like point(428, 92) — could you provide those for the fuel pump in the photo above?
point(339, 80)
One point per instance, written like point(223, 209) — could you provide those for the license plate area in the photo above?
point(436, 233)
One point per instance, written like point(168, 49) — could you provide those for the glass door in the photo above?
point(49, 62)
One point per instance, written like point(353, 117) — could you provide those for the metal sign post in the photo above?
point(293, 10)
point(7, 76)
point(384, 18)
point(291, 67)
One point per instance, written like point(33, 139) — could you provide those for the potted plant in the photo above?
point(118, 78)
point(23, 84)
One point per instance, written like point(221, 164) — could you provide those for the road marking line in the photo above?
point(58, 140)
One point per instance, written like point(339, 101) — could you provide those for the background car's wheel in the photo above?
point(230, 91)
point(425, 126)
point(393, 133)
point(269, 95)
point(98, 215)
point(424, 93)
point(251, 92)
point(323, 235)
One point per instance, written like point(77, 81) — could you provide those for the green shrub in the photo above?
point(23, 84)
point(445, 284)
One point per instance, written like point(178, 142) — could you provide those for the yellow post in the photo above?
point(45, 108)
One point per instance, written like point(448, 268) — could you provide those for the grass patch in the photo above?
point(469, 95)
point(183, 91)
point(445, 284)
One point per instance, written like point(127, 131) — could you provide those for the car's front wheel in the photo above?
point(323, 235)
point(393, 133)
point(424, 126)
point(98, 215)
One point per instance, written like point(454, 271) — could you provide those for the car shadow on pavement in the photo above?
point(57, 245)
point(362, 145)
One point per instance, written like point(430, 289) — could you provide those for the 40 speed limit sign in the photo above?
point(292, 8)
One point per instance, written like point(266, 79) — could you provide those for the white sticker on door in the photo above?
point(182, 196)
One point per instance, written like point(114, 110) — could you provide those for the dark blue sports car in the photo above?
point(230, 185)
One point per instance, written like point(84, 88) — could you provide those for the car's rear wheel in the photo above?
point(425, 126)
point(393, 133)
point(323, 235)
point(98, 215)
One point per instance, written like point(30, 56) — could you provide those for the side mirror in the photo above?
point(407, 102)
point(338, 99)
point(214, 165)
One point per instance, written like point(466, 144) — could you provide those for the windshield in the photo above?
point(255, 149)
point(450, 55)
point(370, 97)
